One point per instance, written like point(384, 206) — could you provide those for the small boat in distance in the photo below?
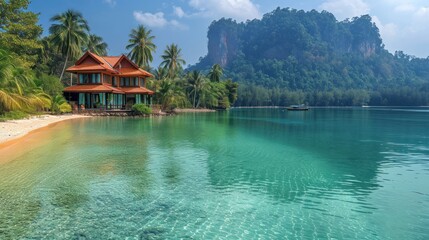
point(300, 107)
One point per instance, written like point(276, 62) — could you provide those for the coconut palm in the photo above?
point(172, 60)
point(215, 73)
point(69, 34)
point(17, 90)
point(96, 45)
point(195, 84)
point(160, 73)
point(141, 45)
point(170, 95)
point(60, 105)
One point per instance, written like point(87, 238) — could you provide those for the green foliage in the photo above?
point(59, 105)
point(141, 45)
point(13, 115)
point(172, 60)
point(17, 88)
point(141, 109)
point(292, 56)
point(49, 84)
point(216, 73)
point(96, 45)
point(69, 34)
point(19, 31)
point(171, 95)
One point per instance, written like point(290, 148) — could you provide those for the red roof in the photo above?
point(96, 88)
point(136, 90)
point(87, 68)
point(130, 72)
point(112, 60)
point(107, 64)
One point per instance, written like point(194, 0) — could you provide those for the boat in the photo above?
point(300, 107)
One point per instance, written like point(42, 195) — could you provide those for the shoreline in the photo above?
point(193, 110)
point(15, 129)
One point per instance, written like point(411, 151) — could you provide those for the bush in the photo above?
point(60, 105)
point(13, 115)
point(141, 109)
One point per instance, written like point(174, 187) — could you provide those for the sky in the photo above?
point(403, 24)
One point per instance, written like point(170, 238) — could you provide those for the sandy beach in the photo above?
point(14, 129)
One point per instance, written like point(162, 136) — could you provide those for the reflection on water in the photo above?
point(244, 173)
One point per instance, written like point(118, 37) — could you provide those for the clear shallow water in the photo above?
point(246, 173)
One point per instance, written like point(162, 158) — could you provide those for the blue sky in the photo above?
point(403, 24)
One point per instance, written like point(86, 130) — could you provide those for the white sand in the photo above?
point(17, 128)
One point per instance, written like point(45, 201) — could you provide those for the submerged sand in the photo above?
point(14, 129)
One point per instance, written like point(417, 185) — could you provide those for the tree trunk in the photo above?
point(64, 68)
point(195, 97)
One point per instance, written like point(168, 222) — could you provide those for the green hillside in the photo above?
point(292, 56)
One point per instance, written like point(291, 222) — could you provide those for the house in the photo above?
point(107, 83)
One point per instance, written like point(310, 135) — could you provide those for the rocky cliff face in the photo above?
point(224, 42)
point(218, 49)
point(286, 32)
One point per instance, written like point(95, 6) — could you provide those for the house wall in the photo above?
point(126, 64)
point(89, 61)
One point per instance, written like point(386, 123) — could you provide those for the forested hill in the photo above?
point(292, 56)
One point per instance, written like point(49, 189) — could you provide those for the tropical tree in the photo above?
point(17, 90)
point(20, 31)
point(231, 90)
point(215, 73)
point(170, 95)
point(160, 73)
point(141, 45)
point(96, 45)
point(172, 60)
point(60, 105)
point(195, 86)
point(69, 34)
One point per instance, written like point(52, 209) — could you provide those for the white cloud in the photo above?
point(423, 12)
point(403, 25)
point(178, 11)
point(156, 20)
point(237, 9)
point(151, 19)
point(343, 9)
point(110, 2)
point(388, 31)
point(406, 7)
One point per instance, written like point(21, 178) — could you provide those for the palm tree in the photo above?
point(17, 90)
point(141, 45)
point(196, 83)
point(60, 105)
point(96, 45)
point(160, 73)
point(69, 34)
point(170, 95)
point(172, 60)
point(215, 73)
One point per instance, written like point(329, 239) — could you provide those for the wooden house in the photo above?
point(107, 83)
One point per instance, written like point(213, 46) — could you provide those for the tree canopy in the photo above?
point(311, 54)
point(141, 45)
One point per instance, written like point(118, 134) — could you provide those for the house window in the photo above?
point(142, 82)
point(127, 82)
point(89, 78)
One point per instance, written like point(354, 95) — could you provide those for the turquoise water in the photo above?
point(241, 174)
